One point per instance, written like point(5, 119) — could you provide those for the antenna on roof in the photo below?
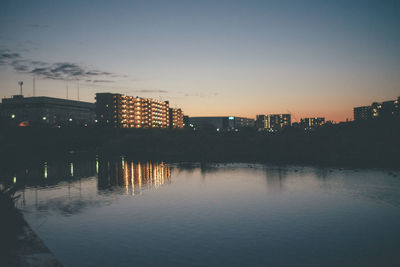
point(78, 90)
point(67, 89)
point(33, 86)
point(20, 86)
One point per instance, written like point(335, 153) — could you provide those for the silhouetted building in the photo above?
point(240, 122)
point(362, 113)
point(186, 122)
point(385, 110)
point(311, 123)
point(121, 111)
point(175, 118)
point(229, 123)
point(273, 122)
point(28, 111)
point(260, 122)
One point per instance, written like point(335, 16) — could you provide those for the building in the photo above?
point(362, 113)
point(176, 118)
point(311, 123)
point(384, 110)
point(31, 111)
point(122, 111)
point(240, 122)
point(186, 122)
point(273, 122)
point(226, 123)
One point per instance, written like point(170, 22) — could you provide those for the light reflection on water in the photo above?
point(120, 212)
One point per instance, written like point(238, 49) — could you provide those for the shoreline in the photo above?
point(20, 245)
point(374, 145)
point(33, 251)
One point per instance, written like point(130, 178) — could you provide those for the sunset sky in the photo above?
point(241, 58)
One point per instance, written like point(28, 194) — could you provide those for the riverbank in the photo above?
point(371, 145)
point(19, 244)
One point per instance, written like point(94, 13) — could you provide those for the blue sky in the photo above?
point(312, 58)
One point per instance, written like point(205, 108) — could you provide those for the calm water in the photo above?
point(108, 213)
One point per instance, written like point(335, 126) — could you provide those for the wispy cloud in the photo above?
point(102, 81)
point(6, 55)
point(67, 71)
point(149, 91)
point(200, 94)
point(54, 71)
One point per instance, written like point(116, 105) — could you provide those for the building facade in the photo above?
point(176, 118)
point(47, 111)
point(362, 113)
point(122, 111)
point(378, 110)
point(273, 122)
point(312, 123)
point(228, 123)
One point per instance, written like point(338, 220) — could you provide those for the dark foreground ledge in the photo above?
point(19, 245)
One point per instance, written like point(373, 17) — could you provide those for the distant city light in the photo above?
point(72, 169)
point(12, 116)
point(231, 118)
point(97, 164)
point(15, 179)
point(45, 170)
point(70, 119)
point(44, 118)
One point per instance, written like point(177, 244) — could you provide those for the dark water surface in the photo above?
point(124, 213)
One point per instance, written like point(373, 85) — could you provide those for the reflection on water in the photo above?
point(68, 187)
point(123, 212)
point(132, 176)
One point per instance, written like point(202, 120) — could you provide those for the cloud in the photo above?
point(102, 81)
point(53, 71)
point(68, 71)
point(150, 91)
point(5, 56)
point(38, 63)
point(21, 68)
point(201, 94)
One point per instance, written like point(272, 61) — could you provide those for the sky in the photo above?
point(210, 58)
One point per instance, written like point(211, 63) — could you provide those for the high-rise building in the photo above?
point(362, 113)
point(385, 110)
point(273, 122)
point(122, 111)
point(311, 123)
point(175, 118)
point(260, 122)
